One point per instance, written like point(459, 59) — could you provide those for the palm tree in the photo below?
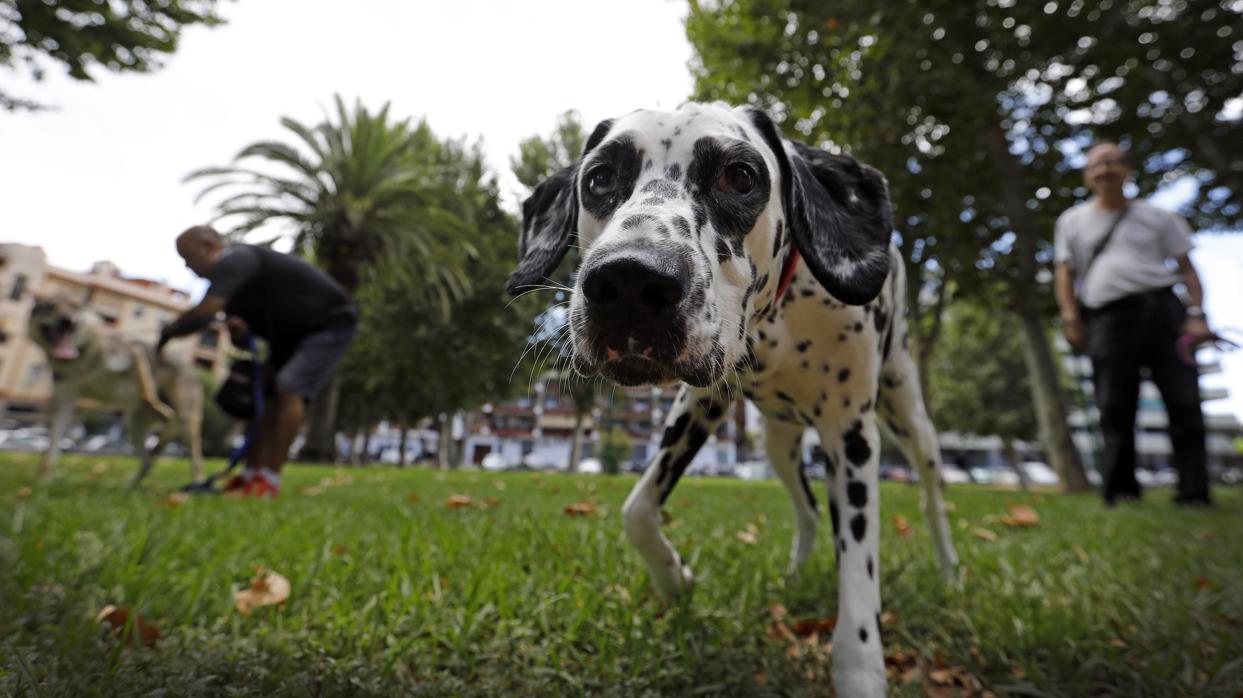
point(352, 189)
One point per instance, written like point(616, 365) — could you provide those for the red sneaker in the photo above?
point(236, 484)
point(260, 488)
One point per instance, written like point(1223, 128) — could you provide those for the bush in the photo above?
point(614, 447)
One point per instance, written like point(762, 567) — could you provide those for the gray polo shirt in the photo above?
point(1140, 256)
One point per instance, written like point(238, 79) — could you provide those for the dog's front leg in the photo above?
point(62, 412)
point(858, 657)
point(696, 414)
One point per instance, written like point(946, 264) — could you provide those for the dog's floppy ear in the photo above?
point(550, 222)
point(838, 213)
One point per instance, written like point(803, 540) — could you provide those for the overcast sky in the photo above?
point(100, 178)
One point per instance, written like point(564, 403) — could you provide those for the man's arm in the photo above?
point(1196, 324)
point(192, 320)
point(1064, 289)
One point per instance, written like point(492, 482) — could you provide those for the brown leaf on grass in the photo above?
point(813, 626)
point(175, 499)
point(951, 681)
point(749, 536)
point(457, 501)
point(341, 479)
point(1203, 583)
point(490, 502)
point(133, 632)
point(778, 611)
point(266, 588)
point(983, 533)
point(1118, 643)
point(99, 468)
point(780, 632)
point(903, 526)
point(412, 497)
point(583, 508)
point(888, 618)
point(760, 678)
point(1021, 515)
point(901, 666)
point(23, 492)
point(950, 507)
point(1082, 555)
point(339, 549)
point(684, 502)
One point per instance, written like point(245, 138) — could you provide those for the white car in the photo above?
point(954, 475)
point(494, 461)
point(1040, 473)
point(590, 466)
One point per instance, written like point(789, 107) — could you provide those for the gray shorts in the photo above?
point(310, 366)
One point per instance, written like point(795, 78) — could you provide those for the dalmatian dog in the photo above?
point(719, 254)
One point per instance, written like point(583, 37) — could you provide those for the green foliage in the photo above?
point(416, 356)
point(540, 157)
point(614, 449)
point(399, 597)
point(81, 35)
point(979, 379)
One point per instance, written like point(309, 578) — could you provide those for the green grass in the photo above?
point(396, 596)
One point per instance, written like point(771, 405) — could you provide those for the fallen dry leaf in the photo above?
point(1118, 643)
point(749, 536)
point(266, 588)
point(175, 499)
point(99, 468)
point(583, 508)
point(760, 678)
point(903, 526)
point(23, 492)
point(339, 550)
point(412, 497)
point(1021, 515)
point(490, 502)
point(684, 502)
point(312, 491)
point(342, 479)
point(812, 626)
point(950, 507)
point(139, 630)
point(983, 533)
point(457, 501)
point(1203, 583)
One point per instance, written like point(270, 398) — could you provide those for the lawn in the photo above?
point(394, 591)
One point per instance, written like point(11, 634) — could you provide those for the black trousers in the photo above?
point(1142, 331)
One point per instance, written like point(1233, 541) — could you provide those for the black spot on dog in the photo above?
point(781, 395)
point(818, 412)
point(871, 575)
point(723, 253)
point(713, 410)
point(857, 494)
point(846, 401)
point(663, 468)
point(667, 142)
point(803, 345)
point(674, 431)
point(811, 498)
point(762, 336)
point(637, 220)
point(858, 526)
point(863, 634)
point(807, 292)
point(866, 407)
point(652, 201)
point(778, 239)
point(660, 187)
point(857, 449)
point(841, 337)
point(843, 375)
point(674, 172)
point(834, 515)
point(805, 364)
point(683, 226)
point(858, 327)
point(695, 440)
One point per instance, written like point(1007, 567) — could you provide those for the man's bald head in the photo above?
point(200, 247)
point(1106, 169)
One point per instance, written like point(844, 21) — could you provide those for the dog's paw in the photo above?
point(676, 582)
point(860, 683)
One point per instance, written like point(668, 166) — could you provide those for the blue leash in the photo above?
point(208, 485)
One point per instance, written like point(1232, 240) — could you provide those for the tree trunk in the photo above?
point(576, 444)
point(320, 446)
point(444, 440)
point(740, 430)
point(1012, 457)
point(404, 425)
point(366, 454)
point(1023, 291)
point(1050, 407)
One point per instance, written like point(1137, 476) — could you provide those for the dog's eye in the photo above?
point(737, 179)
point(600, 181)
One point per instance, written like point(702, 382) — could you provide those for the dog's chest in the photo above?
point(813, 357)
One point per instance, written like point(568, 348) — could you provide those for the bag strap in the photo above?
point(1100, 246)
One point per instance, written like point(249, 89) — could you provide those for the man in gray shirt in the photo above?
point(1117, 261)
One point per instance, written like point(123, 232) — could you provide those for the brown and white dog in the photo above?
point(89, 361)
point(719, 254)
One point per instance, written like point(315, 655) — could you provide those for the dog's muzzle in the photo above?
point(632, 301)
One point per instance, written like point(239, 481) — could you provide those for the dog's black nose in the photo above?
point(635, 286)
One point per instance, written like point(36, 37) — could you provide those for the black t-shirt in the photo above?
point(281, 297)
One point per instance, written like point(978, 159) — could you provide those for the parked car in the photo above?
point(1040, 473)
point(590, 466)
point(954, 475)
point(494, 461)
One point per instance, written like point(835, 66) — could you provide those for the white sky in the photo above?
point(100, 178)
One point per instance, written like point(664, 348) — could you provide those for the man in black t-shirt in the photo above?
point(307, 319)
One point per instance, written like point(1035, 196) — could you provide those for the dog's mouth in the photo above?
point(62, 342)
point(633, 369)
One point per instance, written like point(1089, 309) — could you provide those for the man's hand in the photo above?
point(1197, 328)
point(1074, 329)
point(239, 331)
